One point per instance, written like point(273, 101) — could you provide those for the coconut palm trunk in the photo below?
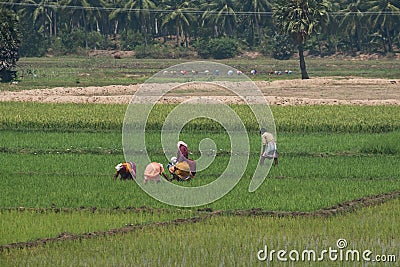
point(303, 68)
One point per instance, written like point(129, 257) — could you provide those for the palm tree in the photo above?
point(179, 17)
point(84, 14)
point(141, 10)
point(255, 7)
point(77, 11)
point(9, 44)
point(95, 14)
point(42, 16)
point(25, 12)
point(299, 19)
point(118, 17)
point(354, 22)
point(220, 13)
point(385, 18)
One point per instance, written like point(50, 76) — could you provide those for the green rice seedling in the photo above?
point(232, 240)
point(74, 180)
point(381, 144)
point(39, 142)
point(290, 144)
point(25, 224)
point(61, 117)
point(299, 119)
point(73, 166)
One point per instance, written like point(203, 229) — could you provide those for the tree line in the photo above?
point(211, 28)
point(348, 26)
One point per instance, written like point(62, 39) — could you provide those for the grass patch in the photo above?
point(76, 71)
point(16, 224)
point(106, 117)
point(227, 240)
point(297, 184)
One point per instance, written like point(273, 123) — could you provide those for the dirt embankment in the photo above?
point(316, 91)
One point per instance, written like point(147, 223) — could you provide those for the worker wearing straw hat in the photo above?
point(180, 171)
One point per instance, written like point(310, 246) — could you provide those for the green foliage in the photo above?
point(283, 48)
point(218, 48)
point(202, 48)
point(376, 145)
point(69, 117)
point(277, 45)
point(373, 119)
point(32, 44)
point(95, 41)
point(79, 172)
point(362, 26)
point(301, 19)
point(222, 48)
point(9, 44)
point(161, 52)
point(296, 119)
point(72, 152)
point(131, 39)
point(143, 51)
point(74, 40)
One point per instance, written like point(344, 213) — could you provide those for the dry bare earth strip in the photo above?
point(205, 214)
point(317, 91)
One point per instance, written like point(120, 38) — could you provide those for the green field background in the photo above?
point(62, 156)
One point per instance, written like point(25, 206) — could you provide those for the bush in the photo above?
point(32, 43)
point(74, 40)
point(277, 46)
point(7, 75)
point(67, 43)
point(9, 45)
point(202, 48)
point(95, 40)
point(162, 52)
point(282, 47)
point(218, 48)
point(150, 51)
point(131, 39)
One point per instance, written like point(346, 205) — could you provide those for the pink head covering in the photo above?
point(181, 143)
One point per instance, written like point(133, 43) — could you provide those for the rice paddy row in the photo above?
point(63, 156)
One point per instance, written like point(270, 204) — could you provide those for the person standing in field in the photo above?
point(183, 151)
point(269, 150)
point(183, 155)
point(153, 172)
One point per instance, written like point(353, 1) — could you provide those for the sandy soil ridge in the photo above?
point(316, 91)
